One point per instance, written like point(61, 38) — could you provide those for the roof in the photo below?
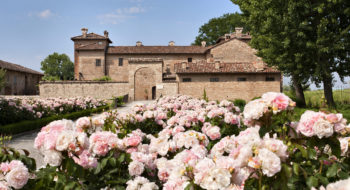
point(91, 46)
point(91, 36)
point(18, 68)
point(157, 49)
point(205, 67)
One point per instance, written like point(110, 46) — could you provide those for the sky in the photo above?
point(30, 30)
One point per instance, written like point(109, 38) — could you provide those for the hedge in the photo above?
point(24, 126)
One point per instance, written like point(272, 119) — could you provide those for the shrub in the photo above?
point(240, 103)
point(104, 78)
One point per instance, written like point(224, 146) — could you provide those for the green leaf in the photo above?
point(312, 182)
point(104, 163)
point(287, 170)
point(332, 171)
point(312, 153)
point(296, 168)
point(121, 158)
point(302, 150)
point(113, 162)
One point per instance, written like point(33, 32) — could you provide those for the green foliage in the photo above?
point(240, 103)
point(217, 27)
point(50, 78)
point(2, 78)
point(104, 78)
point(58, 66)
point(307, 40)
point(205, 97)
point(24, 126)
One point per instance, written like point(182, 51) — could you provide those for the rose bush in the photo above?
point(18, 109)
point(181, 142)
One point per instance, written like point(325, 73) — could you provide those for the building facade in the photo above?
point(20, 80)
point(227, 70)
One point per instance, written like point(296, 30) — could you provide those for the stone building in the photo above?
point(227, 70)
point(20, 80)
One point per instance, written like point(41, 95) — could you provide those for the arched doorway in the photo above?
point(145, 82)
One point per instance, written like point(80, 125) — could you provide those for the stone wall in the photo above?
point(96, 89)
point(19, 83)
point(167, 89)
point(234, 51)
point(229, 90)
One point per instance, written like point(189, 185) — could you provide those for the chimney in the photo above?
point(84, 32)
point(106, 33)
point(217, 65)
point(204, 43)
point(171, 43)
point(227, 36)
point(138, 44)
point(238, 31)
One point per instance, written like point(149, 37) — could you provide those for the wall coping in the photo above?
point(81, 82)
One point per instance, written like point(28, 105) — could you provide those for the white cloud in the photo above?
point(120, 15)
point(45, 14)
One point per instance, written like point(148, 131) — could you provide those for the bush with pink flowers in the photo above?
point(17, 109)
point(181, 142)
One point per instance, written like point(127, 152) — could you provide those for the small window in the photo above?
point(189, 59)
point(214, 79)
point(186, 80)
point(120, 62)
point(98, 62)
point(270, 78)
point(242, 79)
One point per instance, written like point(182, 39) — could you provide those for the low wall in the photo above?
point(96, 89)
point(167, 89)
point(229, 90)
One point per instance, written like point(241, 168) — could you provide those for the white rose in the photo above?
point(323, 128)
point(344, 145)
point(136, 168)
point(63, 140)
point(270, 162)
point(149, 186)
point(217, 178)
point(17, 177)
point(52, 157)
point(83, 140)
point(339, 185)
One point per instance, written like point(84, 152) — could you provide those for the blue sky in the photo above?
point(32, 29)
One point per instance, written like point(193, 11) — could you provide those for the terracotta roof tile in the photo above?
point(19, 68)
point(91, 36)
point(157, 50)
point(204, 67)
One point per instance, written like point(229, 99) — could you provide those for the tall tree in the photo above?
point(58, 66)
point(217, 27)
point(2, 78)
point(304, 39)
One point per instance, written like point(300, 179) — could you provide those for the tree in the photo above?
point(2, 78)
point(217, 27)
point(304, 39)
point(58, 66)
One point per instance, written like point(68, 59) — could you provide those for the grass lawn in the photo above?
point(314, 98)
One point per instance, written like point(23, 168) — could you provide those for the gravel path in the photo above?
point(26, 140)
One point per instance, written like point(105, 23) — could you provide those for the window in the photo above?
point(242, 79)
point(189, 59)
point(120, 62)
point(186, 80)
point(214, 79)
point(99, 43)
point(270, 78)
point(98, 62)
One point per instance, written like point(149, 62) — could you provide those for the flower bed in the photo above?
point(18, 109)
point(185, 143)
